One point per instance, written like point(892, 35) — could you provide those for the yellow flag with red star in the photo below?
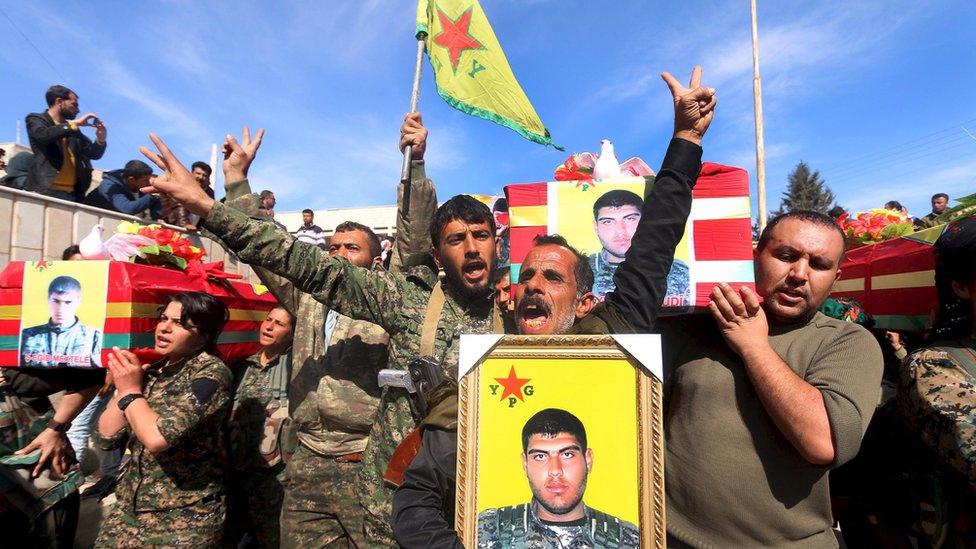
point(470, 68)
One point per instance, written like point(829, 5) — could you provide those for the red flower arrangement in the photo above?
point(171, 248)
point(876, 225)
point(575, 168)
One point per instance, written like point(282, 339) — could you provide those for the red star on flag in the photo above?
point(454, 36)
point(512, 384)
point(41, 265)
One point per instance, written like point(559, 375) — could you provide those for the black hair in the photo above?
point(375, 250)
point(56, 92)
point(63, 284)
point(463, 207)
point(135, 168)
point(808, 216)
point(70, 251)
point(308, 211)
point(551, 422)
point(955, 261)
point(617, 198)
point(893, 205)
point(203, 166)
point(940, 195)
point(204, 311)
point(582, 270)
point(266, 193)
point(836, 212)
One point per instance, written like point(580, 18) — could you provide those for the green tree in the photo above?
point(805, 190)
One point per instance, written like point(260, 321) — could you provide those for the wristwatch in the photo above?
point(125, 401)
point(58, 426)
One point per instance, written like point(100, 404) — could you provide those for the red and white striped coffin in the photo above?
point(718, 244)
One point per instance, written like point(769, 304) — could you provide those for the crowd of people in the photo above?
point(775, 422)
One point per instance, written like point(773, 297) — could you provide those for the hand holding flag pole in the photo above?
point(414, 100)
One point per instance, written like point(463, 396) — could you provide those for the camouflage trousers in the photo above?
point(321, 508)
point(376, 500)
point(198, 525)
point(254, 506)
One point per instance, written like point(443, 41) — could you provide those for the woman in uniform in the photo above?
point(172, 412)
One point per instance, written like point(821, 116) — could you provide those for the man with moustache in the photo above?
point(555, 297)
point(423, 317)
point(333, 391)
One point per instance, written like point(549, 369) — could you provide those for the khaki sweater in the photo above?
point(732, 478)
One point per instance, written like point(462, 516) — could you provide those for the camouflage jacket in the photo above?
point(334, 393)
point(679, 282)
point(51, 345)
point(192, 398)
point(256, 389)
point(519, 527)
point(395, 301)
point(937, 400)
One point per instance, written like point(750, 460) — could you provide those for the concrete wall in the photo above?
point(34, 227)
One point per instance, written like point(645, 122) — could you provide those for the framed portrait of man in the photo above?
point(560, 441)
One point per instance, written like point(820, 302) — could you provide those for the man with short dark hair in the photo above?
point(940, 203)
point(120, 191)
point(788, 393)
point(615, 217)
point(334, 392)
point(310, 232)
point(62, 154)
point(557, 462)
point(63, 340)
point(463, 239)
point(555, 297)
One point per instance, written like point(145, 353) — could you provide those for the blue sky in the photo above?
point(874, 94)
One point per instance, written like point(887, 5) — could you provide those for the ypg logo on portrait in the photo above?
point(514, 388)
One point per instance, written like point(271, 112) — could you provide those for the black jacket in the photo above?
point(45, 140)
point(423, 507)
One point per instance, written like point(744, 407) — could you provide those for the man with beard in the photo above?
point(557, 463)
point(62, 154)
point(422, 316)
point(555, 296)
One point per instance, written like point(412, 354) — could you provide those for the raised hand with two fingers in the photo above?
point(694, 106)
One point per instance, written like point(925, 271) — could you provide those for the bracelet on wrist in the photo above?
point(57, 426)
point(126, 400)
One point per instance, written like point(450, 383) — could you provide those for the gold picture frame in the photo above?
point(544, 355)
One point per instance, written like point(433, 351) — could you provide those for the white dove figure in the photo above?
point(606, 166)
point(119, 247)
point(91, 246)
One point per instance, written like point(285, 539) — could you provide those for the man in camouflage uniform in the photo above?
point(173, 497)
point(615, 218)
point(557, 463)
point(256, 478)
point(334, 393)
point(936, 400)
point(63, 340)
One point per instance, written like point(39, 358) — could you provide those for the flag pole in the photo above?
point(757, 97)
point(414, 99)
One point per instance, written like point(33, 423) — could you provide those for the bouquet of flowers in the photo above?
point(875, 225)
point(167, 247)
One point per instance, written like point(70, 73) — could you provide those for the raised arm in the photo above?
point(413, 245)
point(352, 291)
point(641, 280)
